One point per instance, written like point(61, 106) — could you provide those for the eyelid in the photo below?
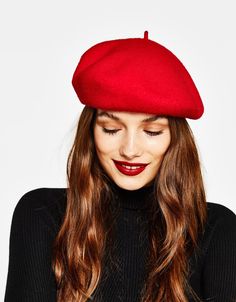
point(114, 131)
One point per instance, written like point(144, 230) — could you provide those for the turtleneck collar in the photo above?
point(135, 199)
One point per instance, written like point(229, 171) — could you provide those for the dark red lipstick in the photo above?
point(125, 167)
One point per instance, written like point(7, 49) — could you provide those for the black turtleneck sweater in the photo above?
point(36, 221)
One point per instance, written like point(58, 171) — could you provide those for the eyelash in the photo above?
point(150, 133)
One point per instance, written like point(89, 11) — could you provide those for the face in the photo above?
point(131, 138)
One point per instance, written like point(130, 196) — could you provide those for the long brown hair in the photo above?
point(175, 224)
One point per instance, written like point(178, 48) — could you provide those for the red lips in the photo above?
point(128, 171)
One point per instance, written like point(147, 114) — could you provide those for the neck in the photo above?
point(135, 199)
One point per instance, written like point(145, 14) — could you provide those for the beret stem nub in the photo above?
point(146, 35)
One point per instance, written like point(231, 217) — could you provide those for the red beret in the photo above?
point(137, 75)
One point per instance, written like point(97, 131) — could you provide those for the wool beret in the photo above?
point(136, 75)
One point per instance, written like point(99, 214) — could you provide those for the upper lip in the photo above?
point(129, 164)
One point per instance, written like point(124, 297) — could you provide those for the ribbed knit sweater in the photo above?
point(36, 221)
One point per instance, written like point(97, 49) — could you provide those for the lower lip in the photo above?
point(130, 172)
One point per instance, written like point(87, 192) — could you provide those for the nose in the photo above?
point(130, 146)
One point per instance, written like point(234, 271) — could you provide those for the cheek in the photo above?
point(159, 147)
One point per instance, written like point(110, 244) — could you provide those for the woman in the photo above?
point(134, 223)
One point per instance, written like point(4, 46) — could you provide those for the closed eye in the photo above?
point(150, 133)
point(153, 133)
point(110, 131)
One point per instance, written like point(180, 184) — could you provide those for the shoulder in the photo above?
point(219, 232)
point(220, 228)
point(40, 198)
point(41, 205)
point(219, 209)
point(218, 214)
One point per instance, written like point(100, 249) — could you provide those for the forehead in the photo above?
point(135, 116)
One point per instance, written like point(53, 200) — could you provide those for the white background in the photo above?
point(41, 43)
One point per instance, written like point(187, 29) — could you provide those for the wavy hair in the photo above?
point(176, 220)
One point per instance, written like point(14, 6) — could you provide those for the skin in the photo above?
point(131, 142)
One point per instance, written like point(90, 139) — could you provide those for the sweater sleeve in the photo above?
point(219, 273)
point(30, 277)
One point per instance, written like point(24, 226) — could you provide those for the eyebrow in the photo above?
point(116, 118)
